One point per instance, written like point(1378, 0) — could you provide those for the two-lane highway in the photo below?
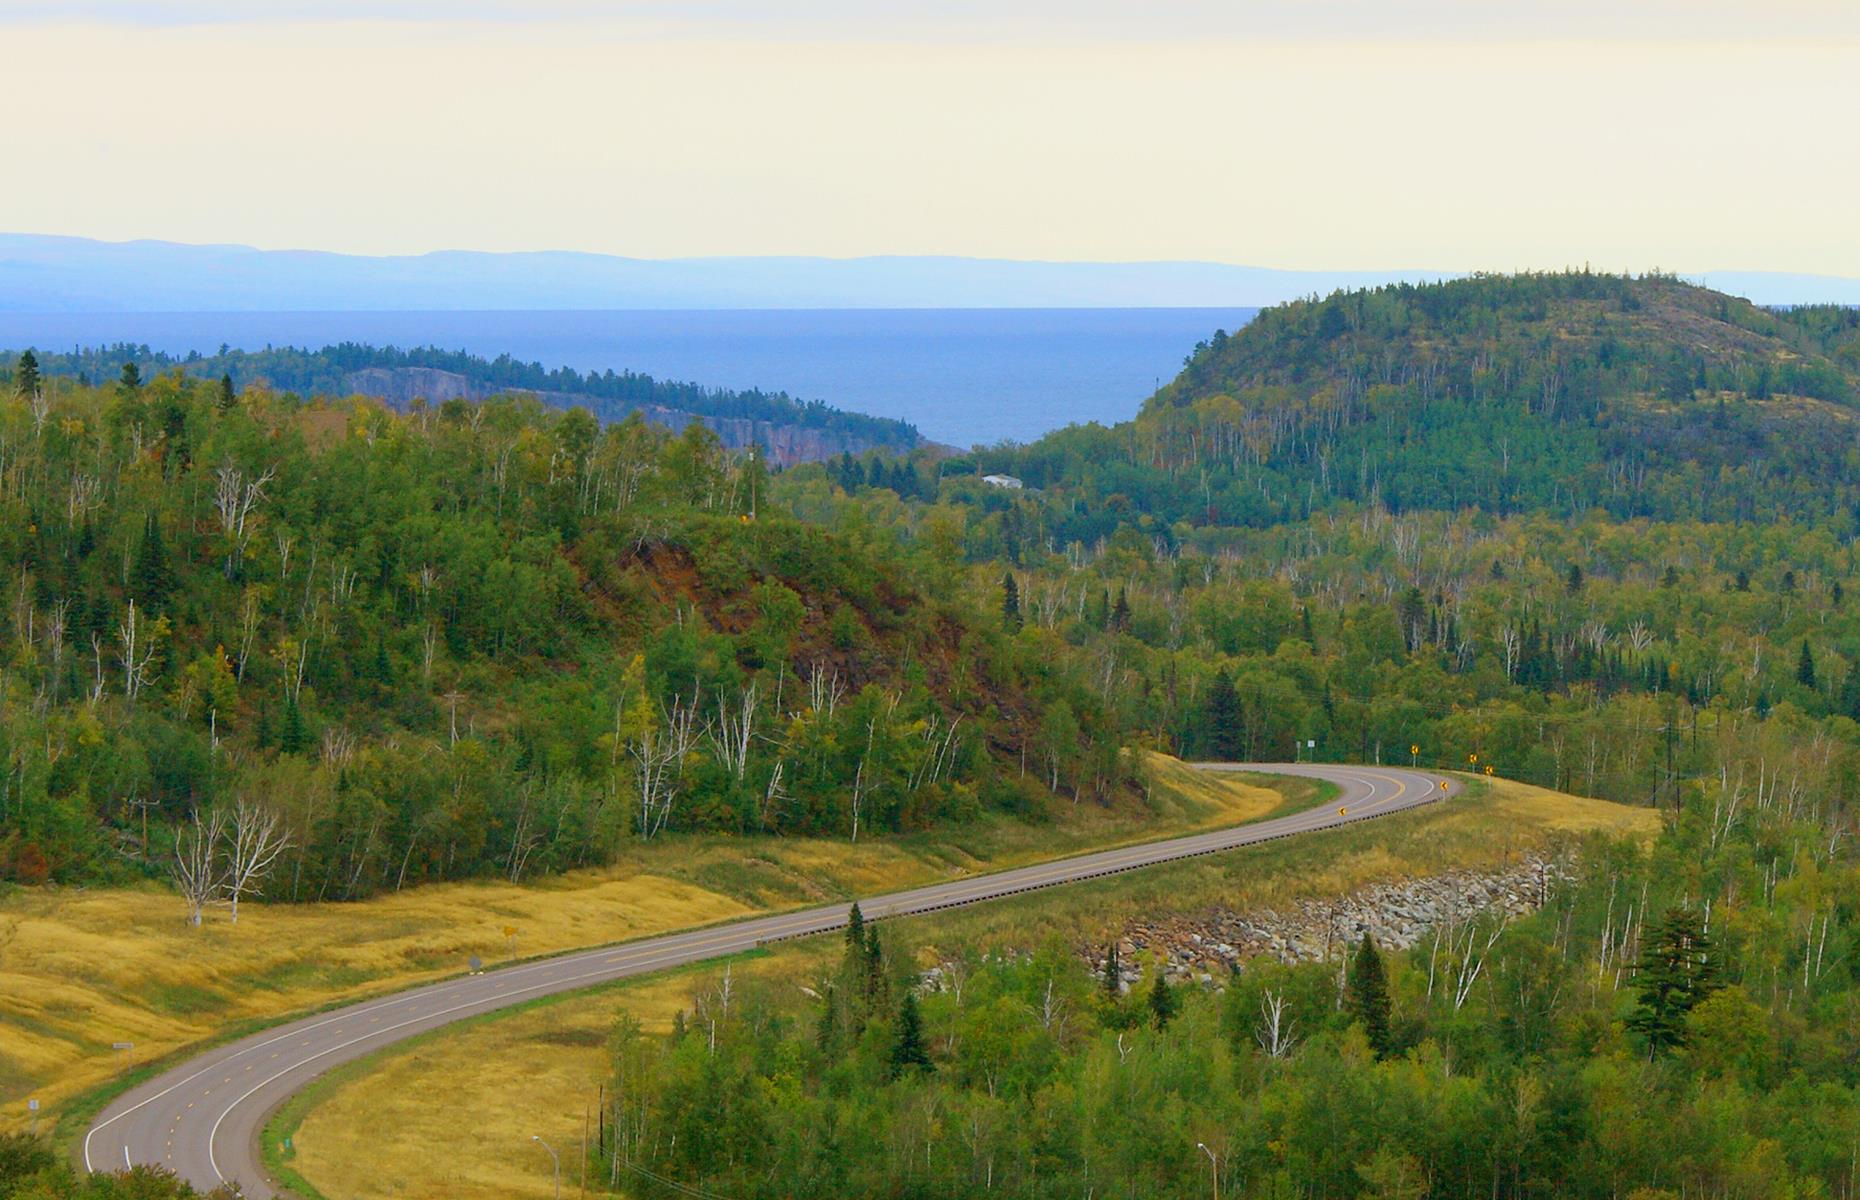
point(203, 1118)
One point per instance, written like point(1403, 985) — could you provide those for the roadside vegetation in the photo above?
point(540, 1070)
point(84, 968)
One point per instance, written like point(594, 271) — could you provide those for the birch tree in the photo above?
point(254, 840)
point(196, 868)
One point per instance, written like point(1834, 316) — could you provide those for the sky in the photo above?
point(1326, 134)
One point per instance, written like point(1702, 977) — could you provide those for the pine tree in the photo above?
point(1805, 667)
point(130, 381)
point(1162, 1000)
point(1010, 602)
point(1675, 972)
point(1835, 594)
point(1411, 610)
point(827, 1031)
point(1574, 582)
point(1850, 694)
point(1671, 578)
point(877, 980)
point(153, 574)
point(1310, 637)
point(1368, 995)
point(1220, 720)
point(855, 940)
point(228, 397)
point(908, 1052)
point(295, 737)
point(1120, 612)
point(1113, 977)
point(26, 374)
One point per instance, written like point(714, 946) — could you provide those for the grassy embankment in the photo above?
point(83, 969)
point(389, 1126)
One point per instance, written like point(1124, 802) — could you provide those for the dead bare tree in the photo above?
point(196, 867)
point(138, 640)
point(253, 843)
point(659, 753)
point(1274, 1034)
point(235, 496)
point(731, 735)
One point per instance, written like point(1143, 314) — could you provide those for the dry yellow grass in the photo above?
point(452, 1117)
point(390, 1130)
point(82, 969)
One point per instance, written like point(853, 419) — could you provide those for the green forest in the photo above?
point(608, 395)
point(478, 639)
point(1684, 1022)
point(1591, 532)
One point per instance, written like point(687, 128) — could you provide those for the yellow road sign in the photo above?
point(1342, 812)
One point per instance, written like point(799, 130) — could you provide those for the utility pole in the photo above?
point(555, 1158)
point(1215, 1163)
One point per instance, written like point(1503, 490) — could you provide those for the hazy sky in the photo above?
point(1324, 133)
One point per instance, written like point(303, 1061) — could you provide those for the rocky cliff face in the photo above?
point(784, 444)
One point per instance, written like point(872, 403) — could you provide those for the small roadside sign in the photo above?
point(477, 964)
point(122, 1045)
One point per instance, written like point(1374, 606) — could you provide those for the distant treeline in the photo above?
point(609, 394)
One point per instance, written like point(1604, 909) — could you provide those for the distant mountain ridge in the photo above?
point(1645, 397)
point(43, 273)
point(788, 430)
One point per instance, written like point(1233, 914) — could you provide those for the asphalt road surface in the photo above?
point(203, 1119)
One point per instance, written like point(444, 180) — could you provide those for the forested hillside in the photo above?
point(786, 429)
point(1674, 1022)
point(1646, 397)
point(478, 638)
point(1591, 532)
point(1609, 654)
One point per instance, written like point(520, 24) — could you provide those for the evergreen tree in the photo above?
point(1112, 978)
point(1162, 999)
point(153, 573)
point(826, 1032)
point(1671, 578)
point(853, 961)
point(228, 397)
point(1412, 611)
point(1368, 995)
point(26, 374)
point(130, 381)
point(1220, 720)
point(877, 981)
point(908, 1052)
point(1675, 972)
point(1120, 612)
point(1835, 594)
point(1805, 667)
point(1573, 584)
point(1850, 694)
point(1304, 614)
point(295, 736)
point(1010, 602)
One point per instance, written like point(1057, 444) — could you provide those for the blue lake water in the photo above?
point(962, 376)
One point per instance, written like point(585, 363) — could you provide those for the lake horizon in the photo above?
point(963, 376)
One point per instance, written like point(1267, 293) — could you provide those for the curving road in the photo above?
point(203, 1119)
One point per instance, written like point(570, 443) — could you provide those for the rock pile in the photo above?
point(1206, 948)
